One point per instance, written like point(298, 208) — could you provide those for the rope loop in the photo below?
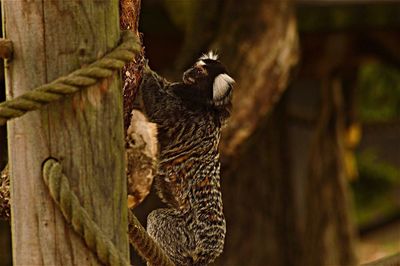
point(77, 216)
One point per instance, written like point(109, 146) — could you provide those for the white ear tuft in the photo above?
point(210, 55)
point(221, 85)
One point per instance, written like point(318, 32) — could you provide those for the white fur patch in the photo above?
point(210, 55)
point(200, 63)
point(221, 85)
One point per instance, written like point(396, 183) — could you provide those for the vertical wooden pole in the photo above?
point(84, 131)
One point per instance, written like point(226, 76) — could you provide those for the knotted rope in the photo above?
point(73, 82)
point(58, 183)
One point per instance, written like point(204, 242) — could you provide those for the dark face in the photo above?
point(208, 77)
point(202, 71)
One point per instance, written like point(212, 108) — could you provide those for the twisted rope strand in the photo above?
point(76, 215)
point(73, 82)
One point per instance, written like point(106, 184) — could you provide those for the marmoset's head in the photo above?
point(209, 78)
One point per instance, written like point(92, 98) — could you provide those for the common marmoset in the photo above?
point(189, 116)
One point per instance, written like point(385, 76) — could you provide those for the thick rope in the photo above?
point(76, 215)
point(145, 246)
point(83, 224)
point(73, 82)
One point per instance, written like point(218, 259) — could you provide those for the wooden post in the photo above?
point(84, 131)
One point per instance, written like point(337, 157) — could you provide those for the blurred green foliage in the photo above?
point(375, 189)
point(342, 17)
point(379, 93)
point(180, 12)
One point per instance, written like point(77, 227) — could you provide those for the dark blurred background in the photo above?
point(315, 180)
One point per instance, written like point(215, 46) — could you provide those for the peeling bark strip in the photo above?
point(141, 153)
point(140, 135)
point(132, 72)
point(129, 15)
point(85, 131)
point(4, 194)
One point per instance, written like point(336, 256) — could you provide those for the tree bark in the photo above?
point(140, 141)
point(4, 194)
point(84, 131)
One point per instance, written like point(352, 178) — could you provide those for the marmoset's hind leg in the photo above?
point(169, 229)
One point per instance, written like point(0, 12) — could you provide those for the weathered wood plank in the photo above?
point(85, 131)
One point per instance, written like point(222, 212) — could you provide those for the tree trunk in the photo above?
point(329, 236)
point(259, 199)
point(259, 42)
point(84, 131)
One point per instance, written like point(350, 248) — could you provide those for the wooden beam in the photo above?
point(84, 131)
